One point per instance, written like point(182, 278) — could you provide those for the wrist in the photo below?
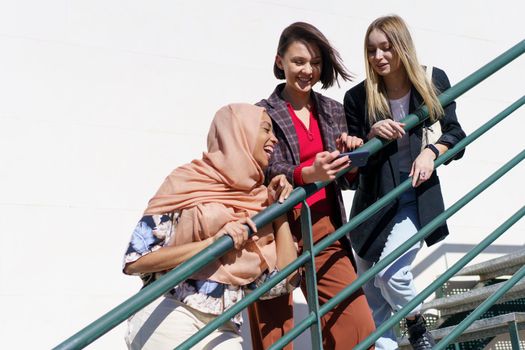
point(210, 240)
point(305, 174)
point(433, 150)
point(298, 179)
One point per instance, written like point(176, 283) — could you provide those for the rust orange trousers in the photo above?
point(344, 326)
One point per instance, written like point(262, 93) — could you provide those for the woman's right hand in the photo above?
point(279, 189)
point(237, 231)
point(387, 129)
point(325, 167)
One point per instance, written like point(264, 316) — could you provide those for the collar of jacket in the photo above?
point(281, 117)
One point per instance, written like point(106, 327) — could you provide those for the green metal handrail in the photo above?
point(305, 257)
point(146, 295)
point(311, 276)
point(425, 231)
point(120, 313)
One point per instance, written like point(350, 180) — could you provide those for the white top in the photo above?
point(399, 110)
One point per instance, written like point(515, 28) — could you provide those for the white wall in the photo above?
point(99, 100)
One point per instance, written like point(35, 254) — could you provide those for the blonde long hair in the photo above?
point(399, 37)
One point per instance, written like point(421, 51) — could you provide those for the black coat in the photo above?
point(381, 174)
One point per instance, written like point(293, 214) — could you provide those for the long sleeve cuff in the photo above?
point(298, 176)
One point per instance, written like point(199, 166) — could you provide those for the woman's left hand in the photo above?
point(279, 189)
point(422, 167)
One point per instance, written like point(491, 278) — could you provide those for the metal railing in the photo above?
point(421, 234)
point(144, 297)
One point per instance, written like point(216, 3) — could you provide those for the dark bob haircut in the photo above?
point(332, 64)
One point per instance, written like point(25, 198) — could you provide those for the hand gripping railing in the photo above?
point(120, 313)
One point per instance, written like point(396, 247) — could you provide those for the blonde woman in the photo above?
point(395, 86)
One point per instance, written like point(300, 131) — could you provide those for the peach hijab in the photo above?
point(225, 185)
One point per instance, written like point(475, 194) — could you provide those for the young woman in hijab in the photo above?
point(396, 85)
point(198, 203)
point(311, 130)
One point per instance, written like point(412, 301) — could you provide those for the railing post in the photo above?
point(514, 335)
point(311, 279)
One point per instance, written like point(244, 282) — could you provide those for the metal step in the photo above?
point(471, 299)
point(484, 328)
point(501, 266)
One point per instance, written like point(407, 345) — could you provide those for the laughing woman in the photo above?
point(311, 130)
point(397, 85)
point(198, 203)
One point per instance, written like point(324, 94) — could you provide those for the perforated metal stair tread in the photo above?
point(484, 328)
point(469, 300)
point(503, 265)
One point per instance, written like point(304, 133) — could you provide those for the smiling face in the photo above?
point(265, 142)
point(381, 55)
point(302, 65)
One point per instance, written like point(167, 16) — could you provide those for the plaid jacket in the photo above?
point(285, 157)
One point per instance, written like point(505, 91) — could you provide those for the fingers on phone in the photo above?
point(340, 164)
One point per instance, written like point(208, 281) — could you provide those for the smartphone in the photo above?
point(357, 157)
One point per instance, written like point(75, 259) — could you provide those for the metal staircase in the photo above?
point(506, 317)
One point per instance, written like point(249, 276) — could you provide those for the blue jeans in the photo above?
point(393, 287)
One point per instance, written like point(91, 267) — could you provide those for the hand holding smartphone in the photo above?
point(358, 157)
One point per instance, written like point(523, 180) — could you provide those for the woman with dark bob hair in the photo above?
point(312, 131)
